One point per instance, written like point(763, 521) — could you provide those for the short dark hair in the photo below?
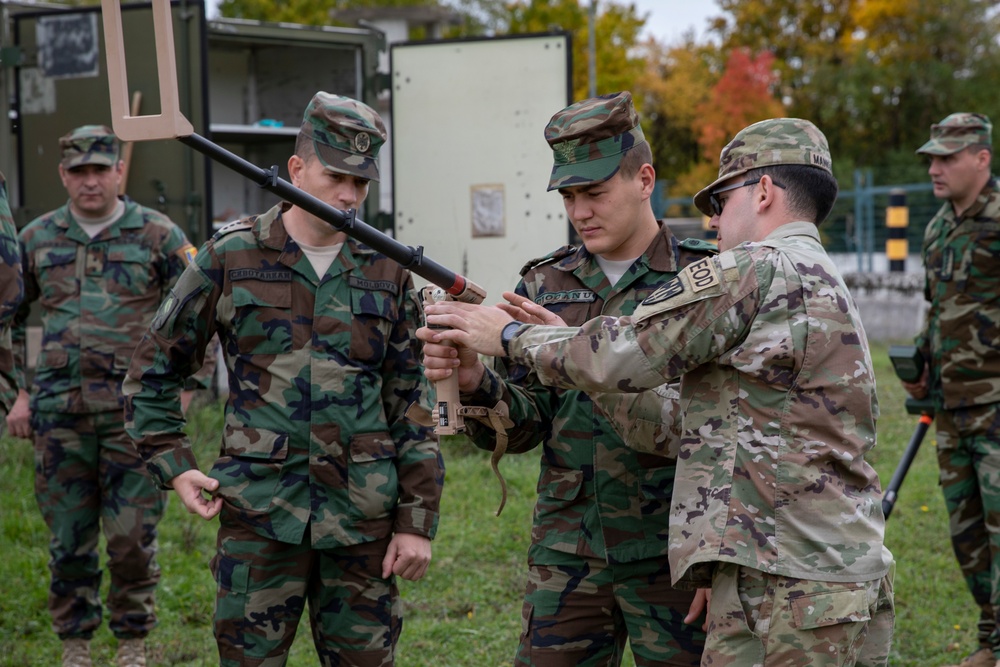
point(304, 147)
point(634, 158)
point(811, 191)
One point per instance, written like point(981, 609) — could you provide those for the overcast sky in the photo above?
point(668, 20)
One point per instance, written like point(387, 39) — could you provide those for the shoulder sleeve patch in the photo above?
point(561, 253)
point(187, 253)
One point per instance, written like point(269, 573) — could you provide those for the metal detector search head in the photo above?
point(170, 123)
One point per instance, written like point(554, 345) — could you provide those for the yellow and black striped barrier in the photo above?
point(897, 219)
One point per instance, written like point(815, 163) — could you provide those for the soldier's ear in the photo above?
point(295, 166)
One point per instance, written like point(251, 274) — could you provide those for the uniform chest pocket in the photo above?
point(57, 277)
point(126, 269)
point(262, 317)
point(373, 316)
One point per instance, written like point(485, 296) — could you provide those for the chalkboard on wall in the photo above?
point(68, 45)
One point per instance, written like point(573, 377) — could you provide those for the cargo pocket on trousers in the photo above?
point(830, 608)
point(232, 580)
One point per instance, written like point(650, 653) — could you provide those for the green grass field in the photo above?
point(466, 611)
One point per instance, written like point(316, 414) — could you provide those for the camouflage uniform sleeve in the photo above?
point(19, 328)
point(420, 467)
point(11, 294)
point(532, 405)
point(171, 351)
point(689, 321)
point(178, 253)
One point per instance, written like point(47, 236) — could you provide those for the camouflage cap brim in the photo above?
point(942, 147)
point(89, 158)
point(584, 173)
point(342, 162)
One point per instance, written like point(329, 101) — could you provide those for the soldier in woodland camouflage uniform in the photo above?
point(598, 573)
point(774, 505)
point(11, 293)
point(960, 342)
point(326, 491)
point(99, 267)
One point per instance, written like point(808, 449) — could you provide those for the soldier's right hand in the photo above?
point(439, 361)
point(191, 487)
point(918, 389)
point(19, 418)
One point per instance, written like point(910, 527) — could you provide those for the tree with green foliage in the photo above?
point(875, 73)
point(616, 29)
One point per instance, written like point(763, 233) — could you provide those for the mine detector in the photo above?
point(486, 209)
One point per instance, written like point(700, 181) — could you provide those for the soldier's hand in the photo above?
point(699, 606)
point(19, 418)
point(525, 310)
point(476, 327)
point(440, 360)
point(191, 487)
point(920, 388)
point(408, 556)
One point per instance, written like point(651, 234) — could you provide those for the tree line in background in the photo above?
point(872, 74)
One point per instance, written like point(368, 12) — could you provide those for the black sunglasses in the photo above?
point(718, 204)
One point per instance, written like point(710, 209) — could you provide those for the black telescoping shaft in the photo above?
point(345, 221)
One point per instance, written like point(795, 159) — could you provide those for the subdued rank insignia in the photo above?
point(362, 142)
point(664, 292)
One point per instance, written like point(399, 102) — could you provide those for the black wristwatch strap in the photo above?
point(507, 334)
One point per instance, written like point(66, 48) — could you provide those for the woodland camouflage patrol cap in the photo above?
point(89, 144)
point(958, 131)
point(765, 144)
point(346, 134)
point(589, 139)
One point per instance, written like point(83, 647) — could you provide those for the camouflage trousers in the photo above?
point(89, 477)
point(761, 620)
point(581, 611)
point(263, 586)
point(968, 452)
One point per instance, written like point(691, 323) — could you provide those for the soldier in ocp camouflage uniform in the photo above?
point(597, 564)
point(774, 505)
point(959, 341)
point(11, 293)
point(98, 267)
point(326, 491)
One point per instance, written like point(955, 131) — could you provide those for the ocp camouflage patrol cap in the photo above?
point(346, 134)
point(589, 139)
point(765, 144)
point(958, 131)
point(89, 144)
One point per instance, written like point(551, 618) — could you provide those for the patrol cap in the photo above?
point(768, 143)
point(346, 134)
point(589, 138)
point(89, 144)
point(958, 131)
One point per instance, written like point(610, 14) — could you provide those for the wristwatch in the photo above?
point(507, 334)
